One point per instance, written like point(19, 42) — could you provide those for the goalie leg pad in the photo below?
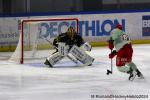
point(53, 59)
point(63, 49)
point(81, 55)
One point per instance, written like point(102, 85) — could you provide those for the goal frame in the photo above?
point(41, 20)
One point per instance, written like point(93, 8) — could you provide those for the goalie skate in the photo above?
point(47, 63)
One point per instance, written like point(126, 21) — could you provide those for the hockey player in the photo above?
point(69, 42)
point(69, 38)
point(123, 49)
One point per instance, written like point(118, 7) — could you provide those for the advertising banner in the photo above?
point(92, 27)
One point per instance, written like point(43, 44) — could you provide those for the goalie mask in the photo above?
point(86, 46)
point(71, 31)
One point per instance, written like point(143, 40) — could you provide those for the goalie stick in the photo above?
point(72, 59)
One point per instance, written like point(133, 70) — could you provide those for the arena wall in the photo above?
point(94, 28)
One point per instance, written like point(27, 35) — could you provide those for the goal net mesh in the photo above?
point(36, 37)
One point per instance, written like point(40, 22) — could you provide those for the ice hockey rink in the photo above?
point(68, 81)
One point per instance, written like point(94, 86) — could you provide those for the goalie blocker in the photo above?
point(75, 51)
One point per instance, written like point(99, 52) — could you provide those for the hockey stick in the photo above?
point(111, 70)
point(74, 60)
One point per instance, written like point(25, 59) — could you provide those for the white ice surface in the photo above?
point(67, 81)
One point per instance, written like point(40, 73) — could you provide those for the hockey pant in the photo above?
point(81, 55)
point(124, 59)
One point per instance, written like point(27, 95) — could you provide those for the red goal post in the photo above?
point(34, 21)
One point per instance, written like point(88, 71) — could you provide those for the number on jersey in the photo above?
point(125, 37)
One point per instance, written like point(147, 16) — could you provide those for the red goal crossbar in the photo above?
point(40, 20)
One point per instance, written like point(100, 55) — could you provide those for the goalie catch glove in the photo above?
point(86, 46)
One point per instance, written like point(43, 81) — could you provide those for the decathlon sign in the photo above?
point(86, 28)
point(99, 27)
point(52, 29)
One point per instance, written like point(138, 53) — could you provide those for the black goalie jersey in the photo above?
point(73, 39)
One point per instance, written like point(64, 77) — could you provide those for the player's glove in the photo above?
point(111, 44)
point(112, 54)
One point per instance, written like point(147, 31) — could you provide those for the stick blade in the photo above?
point(108, 72)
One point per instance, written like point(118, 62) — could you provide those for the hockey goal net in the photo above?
point(36, 36)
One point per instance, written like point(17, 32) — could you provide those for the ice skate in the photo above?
point(139, 74)
point(48, 63)
point(132, 75)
